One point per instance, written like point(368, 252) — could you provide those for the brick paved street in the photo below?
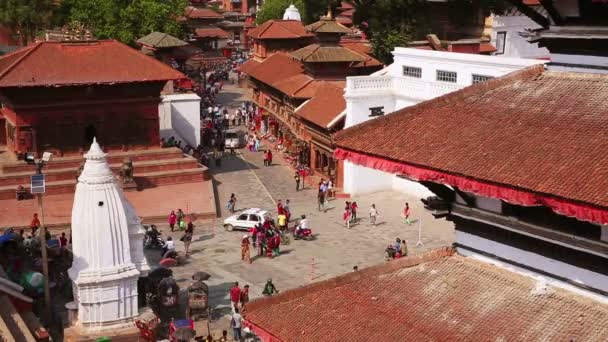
point(334, 251)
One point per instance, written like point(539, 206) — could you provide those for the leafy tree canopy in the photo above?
point(26, 16)
point(126, 20)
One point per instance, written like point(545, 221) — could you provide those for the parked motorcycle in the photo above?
point(152, 238)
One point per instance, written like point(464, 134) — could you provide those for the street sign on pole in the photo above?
point(37, 184)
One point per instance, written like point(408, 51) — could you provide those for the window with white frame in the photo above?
point(411, 71)
point(480, 78)
point(447, 76)
point(501, 41)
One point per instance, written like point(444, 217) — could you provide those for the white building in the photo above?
point(510, 38)
point(415, 76)
point(180, 116)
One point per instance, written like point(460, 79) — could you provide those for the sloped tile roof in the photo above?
point(365, 50)
point(248, 66)
point(436, 296)
point(532, 130)
point(275, 68)
point(311, 89)
point(314, 53)
point(74, 63)
point(327, 104)
point(202, 13)
point(280, 29)
point(211, 32)
point(161, 40)
point(328, 26)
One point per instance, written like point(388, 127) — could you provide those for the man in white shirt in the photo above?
point(373, 214)
point(169, 246)
point(235, 323)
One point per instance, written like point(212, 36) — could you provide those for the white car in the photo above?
point(245, 219)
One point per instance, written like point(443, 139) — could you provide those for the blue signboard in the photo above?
point(37, 184)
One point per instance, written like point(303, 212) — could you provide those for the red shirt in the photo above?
point(235, 294)
point(63, 241)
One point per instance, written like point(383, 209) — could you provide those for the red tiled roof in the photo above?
point(345, 5)
point(344, 21)
point(327, 104)
point(533, 130)
point(96, 62)
point(347, 13)
point(293, 84)
point(436, 296)
point(211, 32)
point(312, 88)
point(363, 49)
point(280, 29)
point(275, 68)
point(202, 13)
point(248, 66)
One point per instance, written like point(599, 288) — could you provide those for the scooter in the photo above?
point(152, 237)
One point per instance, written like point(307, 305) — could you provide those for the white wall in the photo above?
point(539, 262)
point(389, 88)
point(490, 204)
point(515, 44)
point(361, 180)
point(181, 113)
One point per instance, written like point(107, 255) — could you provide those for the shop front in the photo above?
point(324, 163)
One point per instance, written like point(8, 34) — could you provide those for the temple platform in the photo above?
point(166, 180)
point(152, 168)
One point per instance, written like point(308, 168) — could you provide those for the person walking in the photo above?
point(296, 177)
point(235, 323)
point(245, 251)
point(353, 212)
point(321, 200)
point(346, 215)
point(172, 219)
point(287, 210)
point(232, 203)
point(403, 248)
point(245, 295)
point(269, 288)
point(407, 213)
point(373, 215)
point(217, 155)
point(269, 158)
point(35, 224)
point(180, 218)
point(235, 296)
point(187, 238)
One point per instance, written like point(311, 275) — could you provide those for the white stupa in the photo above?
point(107, 247)
point(292, 13)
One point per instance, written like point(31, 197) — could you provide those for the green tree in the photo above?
point(274, 9)
point(126, 20)
point(27, 17)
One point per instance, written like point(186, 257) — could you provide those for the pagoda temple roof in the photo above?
point(314, 53)
point(159, 40)
point(328, 26)
point(435, 296)
point(79, 63)
point(211, 32)
point(202, 13)
point(280, 29)
point(532, 137)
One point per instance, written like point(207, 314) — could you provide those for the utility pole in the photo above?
point(45, 261)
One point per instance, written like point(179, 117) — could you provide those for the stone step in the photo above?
point(142, 179)
point(61, 174)
point(113, 158)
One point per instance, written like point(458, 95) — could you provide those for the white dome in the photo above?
point(292, 13)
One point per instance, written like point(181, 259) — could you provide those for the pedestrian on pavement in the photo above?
point(280, 209)
point(269, 288)
point(373, 214)
point(180, 218)
point(217, 155)
point(35, 224)
point(269, 158)
point(330, 188)
point(235, 323)
point(257, 144)
point(245, 252)
point(260, 241)
point(296, 177)
point(353, 212)
point(403, 248)
point(265, 158)
point(63, 241)
point(321, 200)
point(235, 296)
point(406, 214)
point(287, 210)
point(282, 222)
point(187, 238)
point(172, 219)
point(233, 200)
point(346, 215)
point(245, 295)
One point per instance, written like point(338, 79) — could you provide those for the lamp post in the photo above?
point(46, 157)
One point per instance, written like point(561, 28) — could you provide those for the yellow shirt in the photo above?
point(282, 220)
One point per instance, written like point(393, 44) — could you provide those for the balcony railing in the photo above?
point(399, 86)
